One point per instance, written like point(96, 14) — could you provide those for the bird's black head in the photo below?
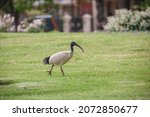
point(75, 44)
point(72, 43)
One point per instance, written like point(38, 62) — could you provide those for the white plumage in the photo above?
point(60, 58)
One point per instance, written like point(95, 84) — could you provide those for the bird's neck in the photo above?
point(72, 49)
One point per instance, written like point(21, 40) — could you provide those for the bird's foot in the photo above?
point(49, 73)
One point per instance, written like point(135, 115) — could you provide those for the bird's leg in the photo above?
point(50, 70)
point(62, 70)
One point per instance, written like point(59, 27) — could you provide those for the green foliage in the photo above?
point(3, 29)
point(145, 4)
point(35, 30)
point(17, 5)
point(22, 5)
point(114, 66)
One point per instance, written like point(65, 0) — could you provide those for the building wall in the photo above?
point(111, 5)
point(107, 8)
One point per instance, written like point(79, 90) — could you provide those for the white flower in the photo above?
point(6, 21)
point(125, 20)
point(144, 24)
point(148, 11)
point(32, 25)
point(38, 22)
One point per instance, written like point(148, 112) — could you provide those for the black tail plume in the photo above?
point(46, 60)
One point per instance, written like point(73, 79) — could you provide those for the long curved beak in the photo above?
point(80, 47)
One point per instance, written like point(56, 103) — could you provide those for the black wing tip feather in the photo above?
point(46, 60)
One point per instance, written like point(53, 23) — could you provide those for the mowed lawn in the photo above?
point(114, 66)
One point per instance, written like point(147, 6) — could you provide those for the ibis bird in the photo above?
point(61, 58)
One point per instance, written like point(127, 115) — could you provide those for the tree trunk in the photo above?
point(16, 15)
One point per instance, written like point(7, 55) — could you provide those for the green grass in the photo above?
point(114, 66)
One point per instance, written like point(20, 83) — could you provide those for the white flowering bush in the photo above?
point(127, 20)
point(6, 22)
point(35, 26)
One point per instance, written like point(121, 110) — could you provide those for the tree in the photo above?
point(15, 7)
point(144, 4)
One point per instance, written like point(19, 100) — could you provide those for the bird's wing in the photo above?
point(60, 58)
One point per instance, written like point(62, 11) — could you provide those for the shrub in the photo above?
point(6, 22)
point(33, 29)
point(35, 26)
point(127, 20)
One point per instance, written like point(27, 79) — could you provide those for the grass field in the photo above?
point(114, 66)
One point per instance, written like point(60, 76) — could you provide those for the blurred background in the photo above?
point(74, 15)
